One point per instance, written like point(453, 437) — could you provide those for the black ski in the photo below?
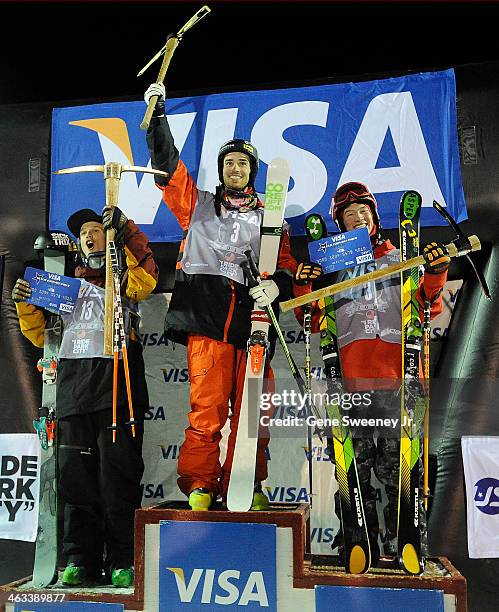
point(412, 394)
point(355, 534)
point(53, 246)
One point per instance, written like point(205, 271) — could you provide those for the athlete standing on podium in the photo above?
point(210, 310)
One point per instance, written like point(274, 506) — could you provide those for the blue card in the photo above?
point(341, 251)
point(51, 291)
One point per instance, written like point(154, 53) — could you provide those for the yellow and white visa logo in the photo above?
point(224, 588)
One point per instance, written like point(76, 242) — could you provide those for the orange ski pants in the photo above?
point(216, 373)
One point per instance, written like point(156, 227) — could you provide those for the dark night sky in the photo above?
point(62, 51)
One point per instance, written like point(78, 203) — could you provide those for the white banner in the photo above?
point(481, 475)
point(19, 486)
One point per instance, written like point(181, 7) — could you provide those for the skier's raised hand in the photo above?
point(307, 272)
point(436, 257)
point(156, 89)
point(113, 218)
point(264, 293)
point(21, 291)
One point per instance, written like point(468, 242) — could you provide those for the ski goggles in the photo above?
point(348, 193)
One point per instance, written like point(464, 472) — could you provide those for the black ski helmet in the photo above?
point(241, 146)
point(354, 192)
point(55, 241)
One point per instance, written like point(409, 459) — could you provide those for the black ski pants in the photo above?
point(99, 483)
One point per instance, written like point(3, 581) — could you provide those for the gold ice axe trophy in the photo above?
point(112, 174)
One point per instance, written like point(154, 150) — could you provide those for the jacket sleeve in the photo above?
point(286, 267)
point(32, 323)
point(179, 189)
point(142, 269)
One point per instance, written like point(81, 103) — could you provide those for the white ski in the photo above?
point(242, 478)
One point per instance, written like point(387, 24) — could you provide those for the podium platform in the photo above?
point(299, 575)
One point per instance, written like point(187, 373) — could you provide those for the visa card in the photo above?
point(54, 292)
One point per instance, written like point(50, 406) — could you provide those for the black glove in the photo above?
point(306, 272)
point(113, 218)
point(436, 257)
point(21, 291)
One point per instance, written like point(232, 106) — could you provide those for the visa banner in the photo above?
point(206, 566)
point(350, 599)
point(393, 134)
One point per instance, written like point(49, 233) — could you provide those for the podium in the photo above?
point(301, 579)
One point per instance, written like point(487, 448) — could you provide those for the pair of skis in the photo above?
point(413, 409)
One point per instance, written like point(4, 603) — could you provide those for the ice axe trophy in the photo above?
point(112, 174)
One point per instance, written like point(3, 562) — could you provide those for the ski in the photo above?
point(412, 395)
point(242, 478)
point(54, 247)
point(354, 527)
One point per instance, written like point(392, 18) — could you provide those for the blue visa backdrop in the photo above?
point(351, 599)
point(393, 134)
point(217, 566)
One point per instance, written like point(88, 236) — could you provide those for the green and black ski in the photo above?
point(412, 395)
point(355, 534)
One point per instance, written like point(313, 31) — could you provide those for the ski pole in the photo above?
point(121, 334)
point(426, 376)
point(252, 274)
point(307, 327)
point(115, 379)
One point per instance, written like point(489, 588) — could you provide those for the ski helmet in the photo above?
point(240, 146)
point(54, 241)
point(354, 193)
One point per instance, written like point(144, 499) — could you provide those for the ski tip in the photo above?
point(359, 560)
point(279, 162)
point(410, 561)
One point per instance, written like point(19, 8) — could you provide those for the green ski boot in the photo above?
point(260, 500)
point(200, 499)
point(122, 577)
point(74, 575)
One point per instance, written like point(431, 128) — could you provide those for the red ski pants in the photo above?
point(216, 372)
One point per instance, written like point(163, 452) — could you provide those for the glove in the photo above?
point(264, 293)
point(113, 218)
point(307, 272)
point(156, 89)
point(436, 257)
point(21, 291)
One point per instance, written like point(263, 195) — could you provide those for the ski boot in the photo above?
point(200, 499)
point(74, 575)
point(122, 577)
point(260, 500)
